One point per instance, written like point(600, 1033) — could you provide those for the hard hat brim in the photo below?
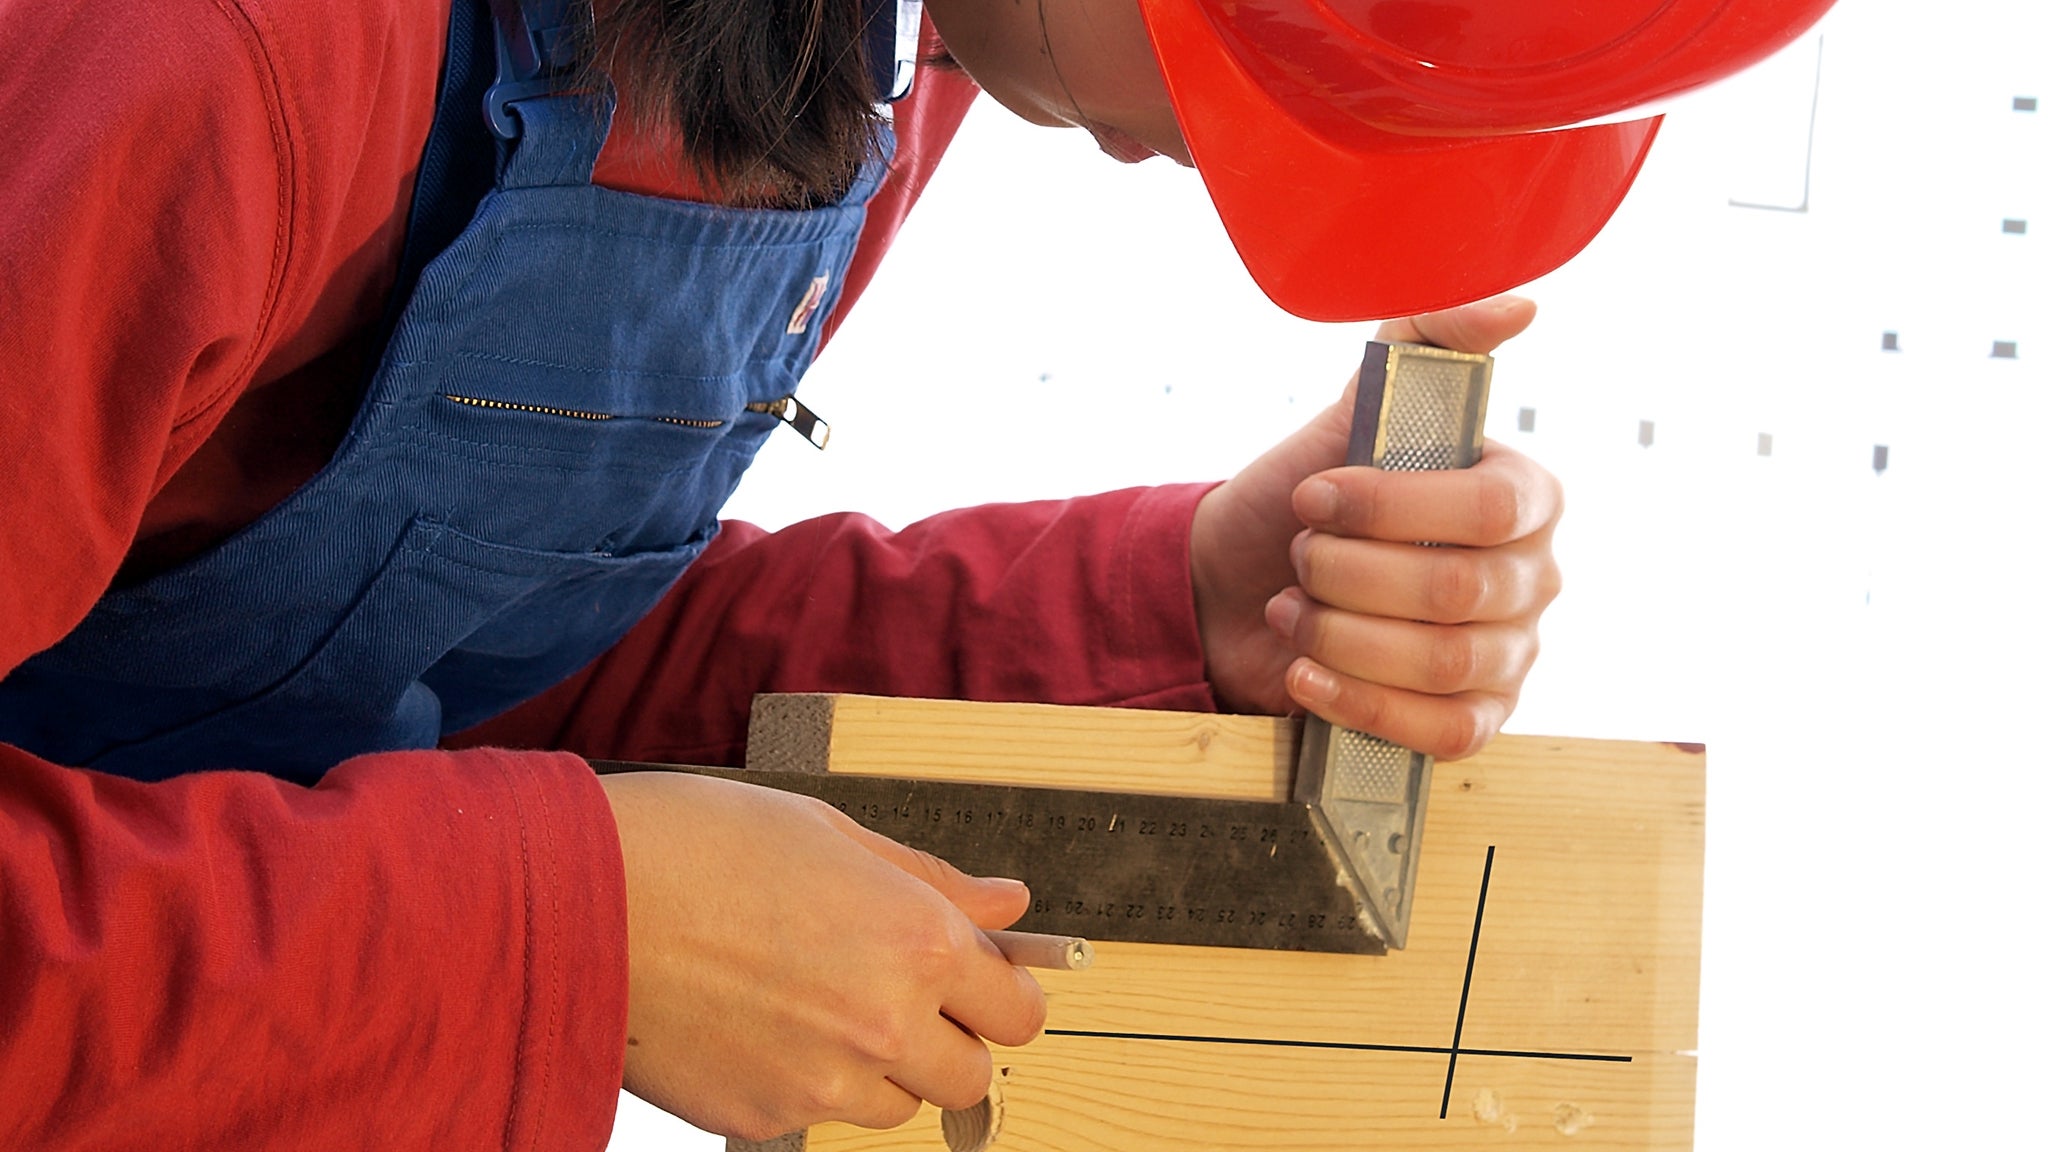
point(1375, 226)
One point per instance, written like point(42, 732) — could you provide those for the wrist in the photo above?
point(1229, 599)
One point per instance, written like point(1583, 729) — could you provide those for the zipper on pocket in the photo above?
point(788, 409)
point(791, 411)
point(571, 413)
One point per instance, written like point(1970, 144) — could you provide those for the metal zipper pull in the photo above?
point(791, 411)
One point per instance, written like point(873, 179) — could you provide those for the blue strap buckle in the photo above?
point(538, 42)
point(891, 30)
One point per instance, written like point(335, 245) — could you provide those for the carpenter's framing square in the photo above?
point(1332, 871)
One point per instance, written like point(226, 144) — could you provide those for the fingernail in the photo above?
point(1007, 882)
point(1312, 685)
point(1316, 501)
point(1283, 612)
point(1297, 547)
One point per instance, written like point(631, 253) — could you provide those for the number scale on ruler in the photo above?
point(1118, 866)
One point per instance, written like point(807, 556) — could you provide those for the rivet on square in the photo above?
point(2014, 227)
point(2005, 350)
point(2023, 103)
point(1525, 420)
point(1891, 341)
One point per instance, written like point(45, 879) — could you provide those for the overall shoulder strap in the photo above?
point(460, 162)
point(551, 133)
point(489, 91)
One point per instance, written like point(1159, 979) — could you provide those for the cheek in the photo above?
point(1090, 63)
point(1105, 56)
point(1107, 63)
point(997, 45)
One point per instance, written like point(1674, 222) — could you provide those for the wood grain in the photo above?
point(1074, 1095)
point(1590, 944)
point(1044, 745)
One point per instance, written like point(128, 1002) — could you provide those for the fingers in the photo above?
point(1427, 646)
point(984, 993)
point(935, 1054)
point(1423, 645)
point(1432, 585)
point(996, 1000)
point(989, 901)
point(953, 1069)
point(1440, 689)
point(940, 1055)
point(881, 1104)
point(1477, 327)
point(1447, 727)
point(1505, 496)
point(1436, 659)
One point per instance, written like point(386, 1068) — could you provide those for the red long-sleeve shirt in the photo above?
point(201, 206)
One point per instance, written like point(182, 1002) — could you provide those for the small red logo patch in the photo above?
point(800, 319)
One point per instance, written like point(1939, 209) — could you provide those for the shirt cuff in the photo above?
point(1155, 633)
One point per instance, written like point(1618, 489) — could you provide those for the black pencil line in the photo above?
point(1261, 1041)
point(1425, 1049)
point(1611, 1059)
point(1465, 997)
point(1455, 1049)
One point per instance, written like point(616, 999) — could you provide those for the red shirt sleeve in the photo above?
point(1083, 601)
point(136, 278)
point(425, 951)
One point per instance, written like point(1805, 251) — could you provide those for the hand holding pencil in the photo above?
point(1039, 950)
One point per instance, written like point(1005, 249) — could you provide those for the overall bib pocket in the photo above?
point(443, 605)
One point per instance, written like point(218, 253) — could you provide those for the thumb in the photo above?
point(1480, 326)
point(989, 901)
point(1477, 327)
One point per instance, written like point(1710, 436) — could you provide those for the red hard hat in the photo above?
point(1376, 158)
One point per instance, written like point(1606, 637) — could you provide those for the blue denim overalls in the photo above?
point(570, 393)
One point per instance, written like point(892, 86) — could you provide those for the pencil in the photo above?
point(1038, 950)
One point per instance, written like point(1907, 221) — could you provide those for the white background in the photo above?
point(1861, 652)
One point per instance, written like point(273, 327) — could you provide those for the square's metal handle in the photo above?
point(1418, 409)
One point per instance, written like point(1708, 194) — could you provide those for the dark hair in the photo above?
point(769, 101)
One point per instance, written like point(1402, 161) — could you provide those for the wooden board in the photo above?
point(1125, 1096)
point(1586, 966)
